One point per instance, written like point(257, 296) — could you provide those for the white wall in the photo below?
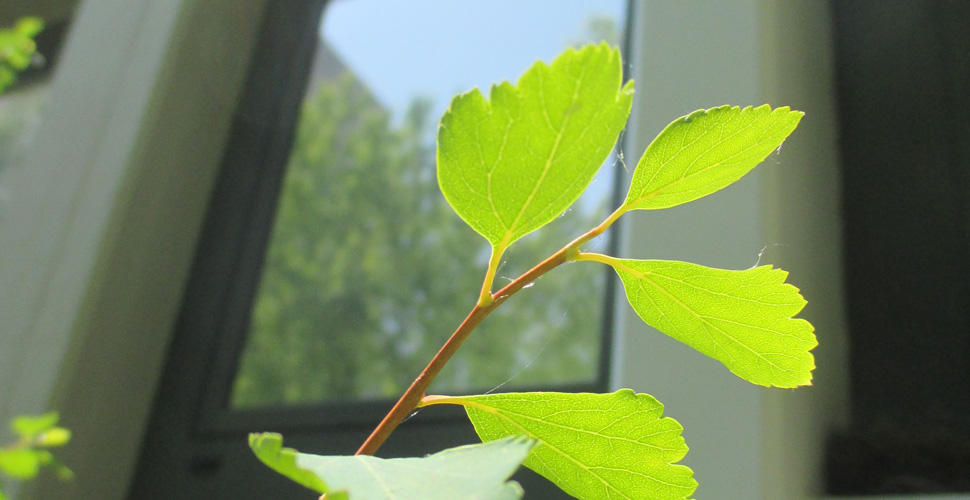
point(746, 442)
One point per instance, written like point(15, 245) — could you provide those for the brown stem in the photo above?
point(409, 401)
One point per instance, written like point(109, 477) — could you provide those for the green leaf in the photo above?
point(511, 164)
point(705, 151)
point(477, 472)
point(592, 446)
point(740, 318)
point(63, 473)
point(30, 426)
point(20, 463)
point(16, 49)
point(29, 26)
point(268, 447)
point(56, 436)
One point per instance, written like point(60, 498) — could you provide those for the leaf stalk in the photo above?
point(485, 298)
point(596, 257)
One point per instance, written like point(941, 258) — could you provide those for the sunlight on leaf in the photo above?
point(17, 49)
point(592, 446)
point(21, 463)
point(268, 447)
point(705, 151)
point(476, 472)
point(511, 164)
point(740, 318)
point(27, 426)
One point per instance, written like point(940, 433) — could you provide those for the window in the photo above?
point(367, 265)
point(330, 269)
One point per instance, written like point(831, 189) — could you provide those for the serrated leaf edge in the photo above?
point(796, 376)
point(464, 402)
point(539, 67)
point(629, 204)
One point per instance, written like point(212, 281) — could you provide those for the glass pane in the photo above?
point(368, 270)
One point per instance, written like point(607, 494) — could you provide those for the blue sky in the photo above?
point(437, 48)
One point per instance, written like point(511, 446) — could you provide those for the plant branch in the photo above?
point(410, 399)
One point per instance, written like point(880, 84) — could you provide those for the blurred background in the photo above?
point(222, 217)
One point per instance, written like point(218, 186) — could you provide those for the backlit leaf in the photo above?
point(740, 318)
point(27, 426)
point(705, 151)
point(29, 26)
point(21, 463)
point(511, 164)
point(476, 472)
point(55, 436)
point(268, 447)
point(593, 446)
point(17, 48)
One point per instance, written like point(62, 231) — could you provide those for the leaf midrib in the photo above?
point(643, 277)
point(669, 159)
point(498, 413)
point(724, 294)
point(585, 431)
point(510, 231)
point(498, 158)
point(657, 192)
point(492, 411)
point(377, 477)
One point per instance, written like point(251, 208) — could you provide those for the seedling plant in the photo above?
point(508, 165)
